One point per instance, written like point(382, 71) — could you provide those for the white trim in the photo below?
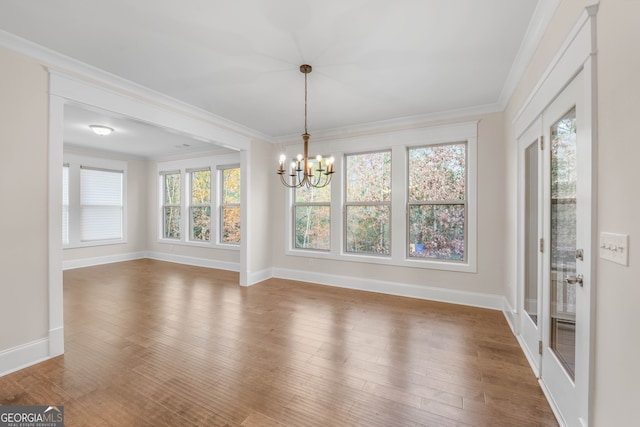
point(260, 276)
point(577, 54)
point(566, 63)
point(22, 356)
point(542, 15)
point(409, 124)
point(109, 259)
point(511, 315)
point(425, 292)
point(160, 114)
point(198, 262)
point(56, 60)
point(56, 303)
point(552, 404)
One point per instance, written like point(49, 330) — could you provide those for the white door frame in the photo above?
point(529, 335)
point(577, 54)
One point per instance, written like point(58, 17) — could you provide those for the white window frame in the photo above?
point(75, 162)
point(165, 205)
point(464, 202)
point(185, 167)
point(398, 142)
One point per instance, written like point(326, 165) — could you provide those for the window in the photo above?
point(437, 202)
point(199, 201)
point(230, 205)
point(200, 206)
point(93, 201)
point(405, 198)
point(312, 213)
point(100, 204)
point(171, 205)
point(368, 203)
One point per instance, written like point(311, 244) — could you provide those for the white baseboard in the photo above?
point(511, 316)
point(56, 341)
point(22, 356)
point(552, 404)
point(260, 276)
point(198, 262)
point(433, 293)
point(89, 262)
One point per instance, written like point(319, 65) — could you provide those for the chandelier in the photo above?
point(302, 171)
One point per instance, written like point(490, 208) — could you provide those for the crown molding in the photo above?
point(542, 15)
point(390, 125)
point(55, 61)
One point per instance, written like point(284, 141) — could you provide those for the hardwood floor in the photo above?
point(149, 343)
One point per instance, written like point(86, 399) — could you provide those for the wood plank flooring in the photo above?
point(150, 343)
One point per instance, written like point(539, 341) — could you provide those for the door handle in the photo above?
point(572, 280)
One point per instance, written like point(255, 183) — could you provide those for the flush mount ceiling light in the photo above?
point(101, 130)
point(302, 171)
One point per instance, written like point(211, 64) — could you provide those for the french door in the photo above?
point(555, 242)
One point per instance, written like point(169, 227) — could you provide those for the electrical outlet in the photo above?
point(615, 247)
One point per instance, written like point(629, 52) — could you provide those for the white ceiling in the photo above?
point(129, 137)
point(372, 59)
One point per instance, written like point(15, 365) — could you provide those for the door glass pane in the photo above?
point(531, 233)
point(563, 240)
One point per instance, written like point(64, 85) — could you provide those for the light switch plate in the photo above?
point(615, 247)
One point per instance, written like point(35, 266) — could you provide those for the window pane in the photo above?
point(312, 228)
point(437, 173)
point(368, 229)
point(171, 222)
point(313, 195)
point(201, 223)
point(231, 224)
point(437, 231)
point(172, 189)
point(368, 177)
point(231, 186)
point(201, 187)
point(100, 204)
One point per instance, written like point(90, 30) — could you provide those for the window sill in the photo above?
point(95, 243)
point(204, 245)
point(399, 261)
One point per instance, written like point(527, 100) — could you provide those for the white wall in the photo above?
point(617, 373)
point(23, 195)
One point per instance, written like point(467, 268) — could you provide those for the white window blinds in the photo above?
point(101, 204)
